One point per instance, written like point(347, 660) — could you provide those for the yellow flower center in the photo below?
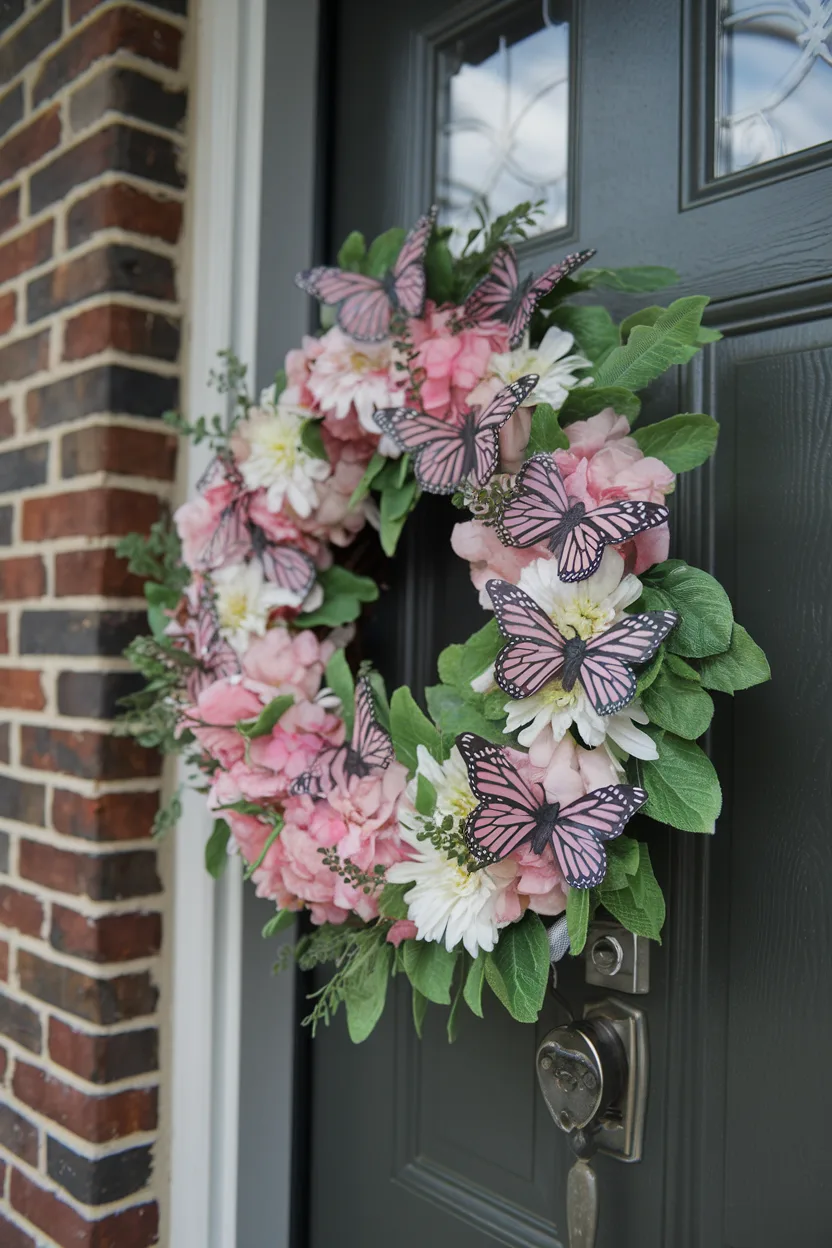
point(555, 695)
point(360, 363)
point(581, 617)
point(233, 609)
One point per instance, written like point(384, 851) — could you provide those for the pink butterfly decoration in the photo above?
point(514, 812)
point(502, 297)
point(337, 765)
point(446, 455)
point(366, 304)
point(538, 653)
point(539, 510)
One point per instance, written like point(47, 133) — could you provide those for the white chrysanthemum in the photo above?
point(354, 374)
point(552, 361)
point(244, 601)
point(581, 609)
point(276, 458)
point(447, 902)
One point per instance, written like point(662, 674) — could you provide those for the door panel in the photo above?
point(416, 1143)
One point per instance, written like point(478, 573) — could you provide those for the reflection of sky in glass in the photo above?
point(505, 137)
point(776, 81)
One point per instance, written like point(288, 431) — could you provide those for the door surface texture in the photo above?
point(694, 135)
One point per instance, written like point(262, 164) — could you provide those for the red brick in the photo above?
point(8, 314)
point(9, 210)
point(30, 143)
point(103, 1001)
point(113, 267)
point(132, 1228)
point(20, 911)
point(20, 690)
point(5, 744)
point(18, 1134)
point(113, 448)
point(92, 755)
point(24, 357)
point(24, 577)
point(135, 331)
point(4, 975)
point(93, 1118)
point(12, 1236)
point(107, 938)
point(4, 634)
point(101, 1058)
point(27, 250)
point(120, 29)
point(111, 817)
point(120, 206)
point(98, 572)
point(103, 877)
point(100, 512)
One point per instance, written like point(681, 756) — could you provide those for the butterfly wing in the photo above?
point(490, 419)
point(521, 314)
point(535, 652)
point(536, 506)
point(606, 672)
point(288, 568)
point(369, 740)
point(409, 280)
point(437, 447)
point(324, 774)
point(496, 293)
point(583, 825)
point(231, 540)
point(362, 302)
point(609, 524)
point(508, 806)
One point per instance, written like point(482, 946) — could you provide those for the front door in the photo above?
point(695, 134)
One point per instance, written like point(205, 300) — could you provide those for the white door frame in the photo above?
point(233, 93)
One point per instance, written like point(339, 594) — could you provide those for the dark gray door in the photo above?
point(699, 136)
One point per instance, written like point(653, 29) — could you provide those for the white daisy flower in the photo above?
point(554, 363)
point(244, 601)
point(275, 458)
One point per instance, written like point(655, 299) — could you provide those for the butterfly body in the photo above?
point(574, 653)
point(539, 511)
point(514, 811)
point(337, 765)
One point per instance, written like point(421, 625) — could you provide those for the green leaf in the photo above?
point(622, 862)
point(518, 969)
point(472, 992)
point(649, 316)
point(420, 1009)
point(365, 993)
point(409, 728)
point(458, 665)
point(267, 719)
point(649, 673)
point(311, 439)
point(594, 330)
point(383, 251)
point(682, 785)
point(279, 922)
point(639, 906)
point(682, 442)
point(338, 678)
point(652, 349)
point(352, 252)
point(586, 401)
point(396, 504)
point(706, 616)
point(577, 918)
point(546, 433)
point(391, 903)
point(425, 797)
point(160, 600)
point(216, 849)
point(344, 593)
point(742, 665)
point(277, 828)
point(453, 714)
point(635, 280)
point(430, 968)
point(680, 667)
point(453, 1016)
point(375, 466)
point(680, 705)
point(439, 268)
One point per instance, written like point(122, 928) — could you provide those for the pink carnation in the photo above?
point(349, 376)
point(453, 363)
point(288, 662)
point(489, 558)
point(213, 719)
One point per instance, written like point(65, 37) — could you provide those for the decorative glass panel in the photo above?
point(503, 117)
point(775, 80)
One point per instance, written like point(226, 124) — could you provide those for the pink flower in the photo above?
point(298, 364)
point(489, 558)
point(333, 519)
point(213, 719)
point(401, 930)
point(288, 662)
point(452, 363)
point(197, 520)
point(347, 374)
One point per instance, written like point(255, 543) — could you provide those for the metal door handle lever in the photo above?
point(582, 1204)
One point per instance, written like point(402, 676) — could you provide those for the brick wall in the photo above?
point(92, 171)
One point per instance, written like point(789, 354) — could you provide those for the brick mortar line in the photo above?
point(51, 664)
point(94, 1091)
point(97, 1031)
point(84, 1148)
point(83, 848)
point(55, 434)
point(59, 321)
point(79, 485)
point(92, 788)
point(110, 355)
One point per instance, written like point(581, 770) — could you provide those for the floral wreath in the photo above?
point(470, 844)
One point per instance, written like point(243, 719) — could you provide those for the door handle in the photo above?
point(593, 1074)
